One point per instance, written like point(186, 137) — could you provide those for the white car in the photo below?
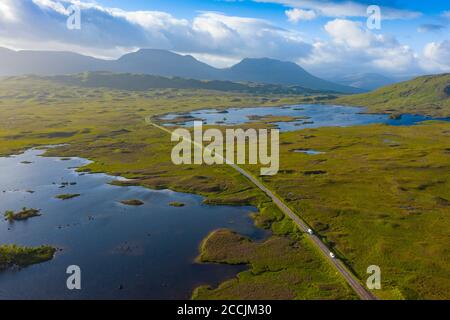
point(310, 231)
point(332, 255)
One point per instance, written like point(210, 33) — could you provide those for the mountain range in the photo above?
point(167, 64)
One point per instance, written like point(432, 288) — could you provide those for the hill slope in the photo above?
point(428, 95)
point(14, 63)
point(142, 82)
point(163, 63)
point(281, 72)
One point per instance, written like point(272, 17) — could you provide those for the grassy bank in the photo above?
point(427, 95)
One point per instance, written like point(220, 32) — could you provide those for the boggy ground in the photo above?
point(108, 127)
point(378, 194)
point(285, 266)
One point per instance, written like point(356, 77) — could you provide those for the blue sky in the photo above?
point(248, 6)
point(327, 37)
point(431, 13)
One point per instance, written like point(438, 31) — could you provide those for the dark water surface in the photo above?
point(313, 116)
point(124, 252)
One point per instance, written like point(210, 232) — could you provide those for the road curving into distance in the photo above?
point(362, 292)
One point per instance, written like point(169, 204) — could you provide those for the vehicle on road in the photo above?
point(332, 255)
point(310, 231)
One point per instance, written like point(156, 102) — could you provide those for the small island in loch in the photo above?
point(177, 204)
point(24, 214)
point(132, 202)
point(13, 255)
point(67, 196)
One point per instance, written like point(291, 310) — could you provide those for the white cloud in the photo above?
point(351, 46)
point(349, 33)
point(437, 56)
point(7, 11)
point(215, 37)
point(238, 36)
point(52, 5)
point(41, 24)
point(343, 9)
point(295, 15)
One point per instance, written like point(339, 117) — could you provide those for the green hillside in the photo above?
point(428, 95)
point(143, 82)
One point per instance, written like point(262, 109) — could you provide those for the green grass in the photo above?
point(382, 196)
point(108, 127)
point(12, 255)
point(143, 82)
point(428, 95)
point(282, 267)
point(37, 112)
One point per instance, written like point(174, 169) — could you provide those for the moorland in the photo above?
point(377, 194)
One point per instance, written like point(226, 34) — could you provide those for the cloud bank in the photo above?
point(41, 24)
point(218, 38)
point(352, 47)
point(344, 9)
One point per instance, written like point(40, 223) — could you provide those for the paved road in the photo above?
point(360, 290)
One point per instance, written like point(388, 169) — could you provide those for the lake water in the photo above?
point(313, 116)
point(125, 252)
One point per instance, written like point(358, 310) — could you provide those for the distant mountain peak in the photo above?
point(166, 63)
point(268, 70)
point(266, 60)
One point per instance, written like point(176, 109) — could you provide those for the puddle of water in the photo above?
point(147, 251)
point(310, 152)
